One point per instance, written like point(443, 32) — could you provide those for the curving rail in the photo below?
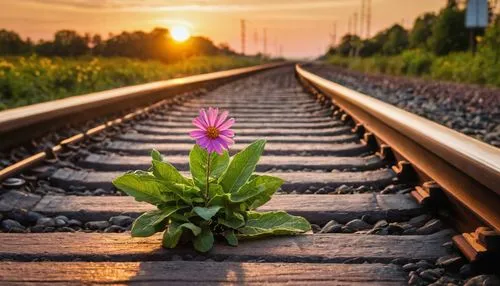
point(443, 161)
point(27, 122)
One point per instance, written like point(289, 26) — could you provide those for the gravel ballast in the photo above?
point(469, 109)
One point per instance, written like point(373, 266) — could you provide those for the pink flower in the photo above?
point(213, 133)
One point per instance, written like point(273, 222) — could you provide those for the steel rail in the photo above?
point(466, 169)
point(24, 123)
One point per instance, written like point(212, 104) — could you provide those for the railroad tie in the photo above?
point(366, 225)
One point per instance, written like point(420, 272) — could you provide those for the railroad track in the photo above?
point(385, 194)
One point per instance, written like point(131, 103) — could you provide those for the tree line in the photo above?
point(157, 44)
point(440, 34)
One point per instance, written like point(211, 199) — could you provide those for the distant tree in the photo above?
point(68, 43)
point(225, 49)
point(397, 40)
point(491, 42)
point(157, 44)
point(30, 45)
point(126, 44)
point(96, 40)
point(348, 45)
point(448, 31)
point(199, 46)
point(370, 47)
point(451, 3)
point(12, 44)
point(422, 31)
point(44, 48)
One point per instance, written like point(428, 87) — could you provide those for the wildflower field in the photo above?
point(29, 80)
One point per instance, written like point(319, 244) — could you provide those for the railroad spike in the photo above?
point(386, 153)
point(481, 246)
point(370, 140)
point(50, 154)
point(346, 118)
point(338, 113)
point(359, 129)
point(429, 194)
point(405, 171)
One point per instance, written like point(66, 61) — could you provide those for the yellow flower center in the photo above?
point(212, 132)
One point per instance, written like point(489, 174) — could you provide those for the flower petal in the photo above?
point(212, 115)
point(217, 146)
point(226, 125)
point(223, 143)
point(221, 118)
point(198, 123)
point(197, 134)
point(203, 145)
point(227, 140)
point(227, 133)
point(204, 117)
point(211, 147)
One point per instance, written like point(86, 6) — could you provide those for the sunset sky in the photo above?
point(302, 28)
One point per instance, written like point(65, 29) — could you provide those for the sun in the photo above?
point(180, 33)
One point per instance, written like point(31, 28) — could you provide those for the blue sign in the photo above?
point(477, 14)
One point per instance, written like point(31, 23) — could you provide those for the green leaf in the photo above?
point(273, 223)
point(179, 217)
point(242, 166)
point(230, 237)
point(198, 158)
point(206, 213)
point(194, 228)
point(232, 220)
point(150, 222)
point(262, 187)
point(142, 186)
point(218, 164)
point(173, 234)
point(166, 172)
point(215, 190)
point(219, 200)
point(185, 192)
point(204, 241)
point(156, 155)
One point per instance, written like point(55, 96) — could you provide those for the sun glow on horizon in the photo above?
point(180, 33)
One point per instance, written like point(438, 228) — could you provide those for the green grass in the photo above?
point(29, 80)
point(456, 67)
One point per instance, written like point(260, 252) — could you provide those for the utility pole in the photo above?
point(276, 49)
point(265, 41)
point(243, 36)
point(368, 17)
point(349, 24)
point(333, 35)
point(256, 41)
point(281, 51)
point(362, 19)
point(355, 25)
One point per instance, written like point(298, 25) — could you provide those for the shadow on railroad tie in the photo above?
point(184, 266)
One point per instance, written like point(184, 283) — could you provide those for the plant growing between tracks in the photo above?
point(218, 201)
